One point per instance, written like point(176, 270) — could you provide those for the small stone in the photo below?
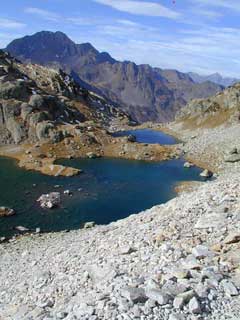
point(233, 151)
point(21, 229)
point(89, 225)
point(233, 158)
point(45, 302)
point(194, 306)
point(206, 174)
point(126, 250)
point(178, 302)
point(233, 237)
point(191, 263)
point(136, 295)
point(176, 316)
point(182, 299)
point(188, 165)
point(180, 273)
point(157, 295)
point(67, 192)
point(38, 230)
point(91, 155)
point(217, 247)
point(131, 138)
point(229, 288)
point(61, 315)
point(201, 252)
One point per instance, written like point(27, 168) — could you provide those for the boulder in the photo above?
point(214, 220)
point(194, 306)
point(89, 225)
point(6, 212)
point(135, 295)
point(201, 252)
point(188, 165)
point(157, 295)
point(21, 229)
point(232, 237)
point(92, 155)
point(50, 201)
point(131, 138)
point(233, 158)
point(206, 173)
point(229, 288)
point(182, 299)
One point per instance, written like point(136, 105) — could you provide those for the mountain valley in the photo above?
point(144, 92)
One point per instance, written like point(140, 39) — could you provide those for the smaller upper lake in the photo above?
point(148, 136)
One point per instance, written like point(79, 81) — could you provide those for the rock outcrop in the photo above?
point(36, 103)
point(223, 108)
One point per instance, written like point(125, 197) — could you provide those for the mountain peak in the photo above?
point(47, 47)
point(214, 77)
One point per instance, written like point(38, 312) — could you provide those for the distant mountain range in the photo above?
point(144, 92)
point(215, 77)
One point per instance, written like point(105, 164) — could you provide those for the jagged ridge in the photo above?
point(146, 93)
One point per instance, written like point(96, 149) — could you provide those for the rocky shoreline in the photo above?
point(176, 261)
point(42, 157)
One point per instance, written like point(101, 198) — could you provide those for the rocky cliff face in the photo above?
point(38, 103)
point(223, 108)
point(144, 92)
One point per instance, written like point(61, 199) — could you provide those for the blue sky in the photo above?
point(188, 35)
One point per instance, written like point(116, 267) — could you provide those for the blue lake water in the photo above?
point(148, 136)
point(111, 189)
